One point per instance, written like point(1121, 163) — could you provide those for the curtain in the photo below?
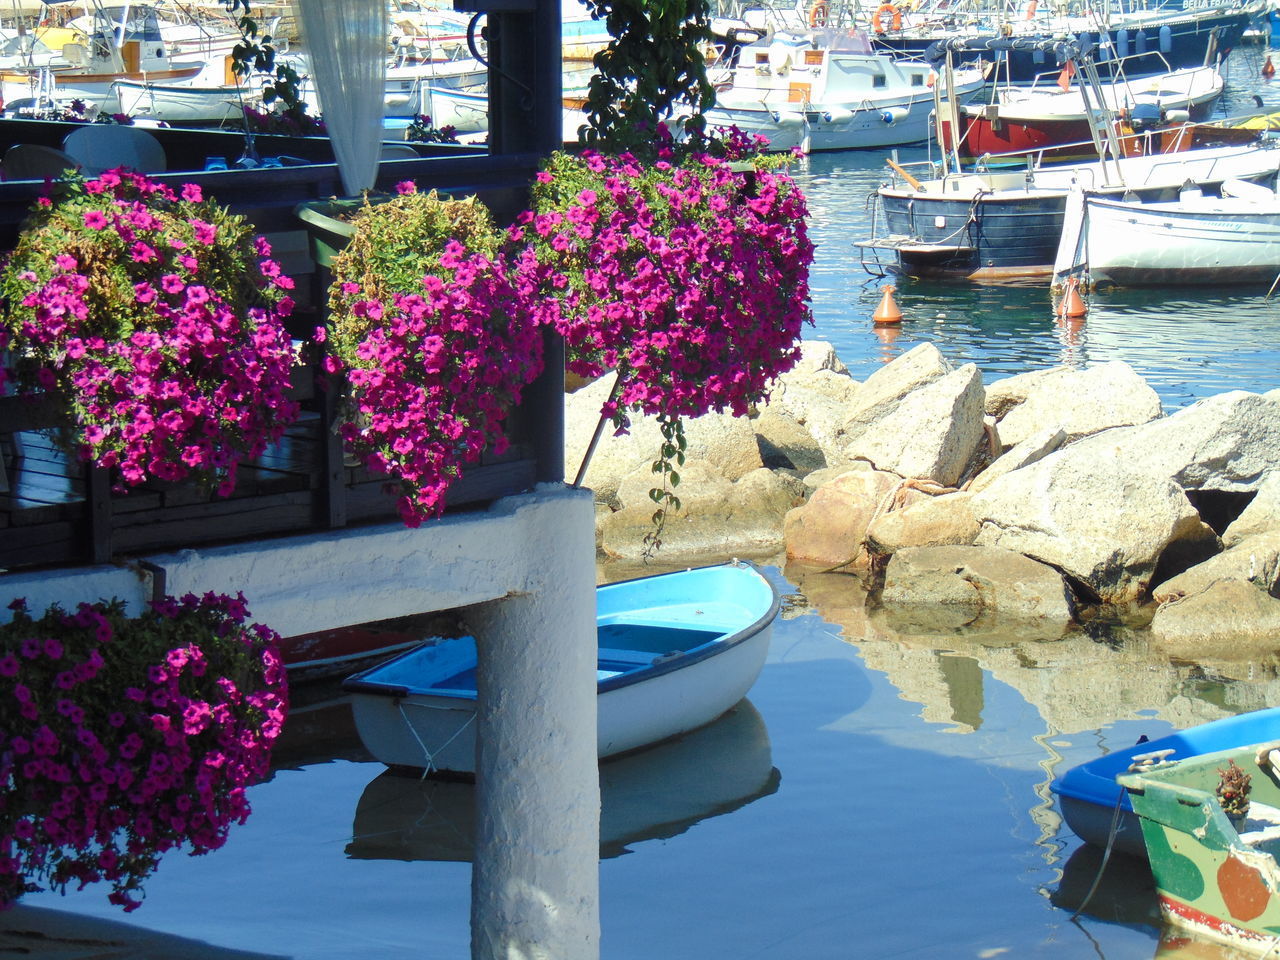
point(346, 42)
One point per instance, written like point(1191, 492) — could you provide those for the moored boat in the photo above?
point(1048, 117)
point(1007, 225)
point(1147, 40)
point(1233, 238)
point(1088, 793)
point(646, 795)
point(676, 651)
point(1215, 866)
point(848, 95)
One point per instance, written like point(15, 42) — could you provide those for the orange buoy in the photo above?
point(887, 312)
point(1268, 69)
point(1072, 305)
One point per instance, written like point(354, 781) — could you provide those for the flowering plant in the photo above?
point(689, 279)
point(157, 321)
point(289, 121)
point(422, 130)
point(437, 335)
point(127, 737)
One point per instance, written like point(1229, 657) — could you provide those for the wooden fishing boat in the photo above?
point(1088, 793)
point(998, 225)
point(1214, 874)
point(676, 651)
point(1198, 238)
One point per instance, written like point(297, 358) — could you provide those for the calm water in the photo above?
point(883, 794)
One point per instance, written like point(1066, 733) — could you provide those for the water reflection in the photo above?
point(656, 793)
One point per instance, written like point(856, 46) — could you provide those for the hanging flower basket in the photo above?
point(437, 337)
point(155, 322)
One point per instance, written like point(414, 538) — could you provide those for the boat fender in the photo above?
point(1177, 116)
point(893, 114)
point(788, 118)
point(838, 115)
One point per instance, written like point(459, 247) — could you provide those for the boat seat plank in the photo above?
point(1262, 827)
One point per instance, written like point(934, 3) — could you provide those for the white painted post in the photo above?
point(535, 881)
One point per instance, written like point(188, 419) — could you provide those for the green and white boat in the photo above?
point(1215, 874)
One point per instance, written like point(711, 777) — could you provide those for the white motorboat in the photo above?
point(849, 96)
point(676, 651)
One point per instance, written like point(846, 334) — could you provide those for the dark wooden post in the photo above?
point(98, 498)
point(526, 117)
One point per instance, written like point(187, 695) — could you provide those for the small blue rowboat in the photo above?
point(677, 650)
point(1087, 794)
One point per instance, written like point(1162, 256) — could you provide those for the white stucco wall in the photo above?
point(69, 587)
point(529, 562)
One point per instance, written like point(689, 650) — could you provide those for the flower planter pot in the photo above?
point(328, 226)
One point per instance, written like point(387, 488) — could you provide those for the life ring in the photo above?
point(886, 10)
point(818, 13)
point(1031, 10)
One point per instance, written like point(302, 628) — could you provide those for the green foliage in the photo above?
point(653, 66)
point(669, 457)
point(396, 242)
point(255, 54)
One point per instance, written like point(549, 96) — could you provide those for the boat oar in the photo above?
point(1273, 288)
point(897, 168)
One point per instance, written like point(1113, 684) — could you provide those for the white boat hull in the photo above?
point(176, 104)
point(1226, 240)
point(711, 632)
point(439, 733)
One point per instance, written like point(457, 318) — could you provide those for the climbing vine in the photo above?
point(653, 66)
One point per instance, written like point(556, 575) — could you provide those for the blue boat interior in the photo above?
point(448, 667)
point(651, 623)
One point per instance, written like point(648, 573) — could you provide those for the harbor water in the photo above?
point(883, 792)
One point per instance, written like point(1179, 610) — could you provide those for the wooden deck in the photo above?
point(56, 510)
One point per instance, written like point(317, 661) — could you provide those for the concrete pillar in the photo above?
point(535, 882)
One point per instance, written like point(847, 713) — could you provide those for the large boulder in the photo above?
point(1230, 620)
point(717, 518)
point(1254, 560)
point(1103, 521)
point(932, 432)
point(1261, 515)
point(926, 522)
point(728, 442)
point(976, 579)
point(785, 443)
point(1080, 402)
point(818, 401)
point(830, 528)
point(815, 356)
point(1031, 450)
point(881, 392)
point(1228, 442)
